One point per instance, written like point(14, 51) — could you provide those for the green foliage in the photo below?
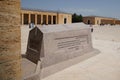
point(77, 18)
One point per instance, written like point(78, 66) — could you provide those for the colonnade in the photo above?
point(38, 19)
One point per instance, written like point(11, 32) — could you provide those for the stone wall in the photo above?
point(10, 68)
point(97, 20)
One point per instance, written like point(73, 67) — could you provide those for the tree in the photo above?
point(81, 18)
point(77, 18)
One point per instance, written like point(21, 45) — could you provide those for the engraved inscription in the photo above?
point(72, 43)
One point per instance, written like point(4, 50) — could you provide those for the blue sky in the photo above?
point(106, 8)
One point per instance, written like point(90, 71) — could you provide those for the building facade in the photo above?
point(40, 17)
point(98, 20)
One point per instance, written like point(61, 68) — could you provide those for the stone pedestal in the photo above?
point(10, 65)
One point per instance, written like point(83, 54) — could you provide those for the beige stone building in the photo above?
point(98, 20)
point(39, 17)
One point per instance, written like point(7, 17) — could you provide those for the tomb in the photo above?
point(59, 46)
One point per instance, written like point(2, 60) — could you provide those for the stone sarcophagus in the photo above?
point(55, 44)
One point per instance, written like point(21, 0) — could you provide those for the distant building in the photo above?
point(39, 17)
point(98, 20)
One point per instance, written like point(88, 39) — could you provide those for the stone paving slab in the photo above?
point(28, 67)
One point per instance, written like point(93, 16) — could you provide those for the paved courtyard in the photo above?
point(104, 66)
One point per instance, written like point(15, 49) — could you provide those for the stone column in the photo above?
point(41, 19)
point(35, 19)
point(114, 22)
point(57, 18)
point(46, 19)
point(22, 18)
point(29, 20)
point(51, 19)
point(10, 49)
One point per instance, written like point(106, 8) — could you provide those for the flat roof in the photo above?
point(101, 17)
point(41, 10)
